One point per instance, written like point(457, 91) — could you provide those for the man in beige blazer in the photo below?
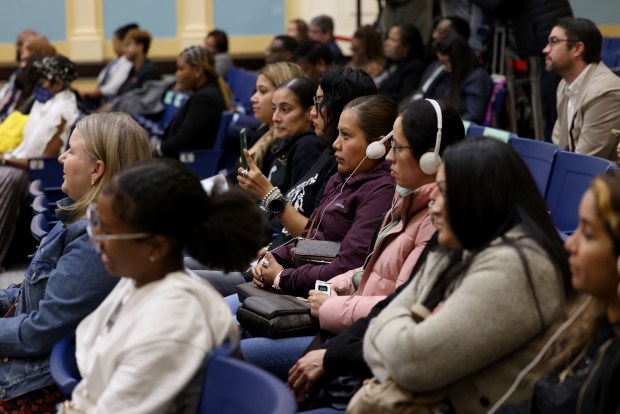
point(588, 95)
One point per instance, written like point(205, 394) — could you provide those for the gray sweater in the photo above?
point(482, 336)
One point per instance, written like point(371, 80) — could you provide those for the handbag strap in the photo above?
point(11, 310)
point(311, 226)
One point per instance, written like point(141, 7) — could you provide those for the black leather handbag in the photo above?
point(276, 316)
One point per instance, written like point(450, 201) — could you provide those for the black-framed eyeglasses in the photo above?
point(317, 101)
point(552, 41)
point(397, 148)
point(92, 221)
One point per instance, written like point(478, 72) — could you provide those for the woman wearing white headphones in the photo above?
point(414, 159)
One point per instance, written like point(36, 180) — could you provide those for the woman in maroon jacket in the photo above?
point(351, 208)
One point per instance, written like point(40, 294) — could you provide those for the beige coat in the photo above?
point(483, 335)
point(597, 111)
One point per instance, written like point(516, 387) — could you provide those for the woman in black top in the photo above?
point(337, 87)
point(405, 52)
point(195, 125)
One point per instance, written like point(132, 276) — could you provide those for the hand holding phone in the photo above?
point(243, 144)
point(324, 287)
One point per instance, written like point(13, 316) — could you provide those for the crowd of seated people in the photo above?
point(451, 285)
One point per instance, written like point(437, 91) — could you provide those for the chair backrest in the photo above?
point(172, 101)
point(39, 227)
point(41, 205)
point(232, 386)
point(63, 366)
point(206, 163)
point(570, 178)
point(610, 51)
point(475, 130)
point(222, 130)
point(46, 169)
point(539, 156)
point(466, 125)
point(202, 162)
point(242, 83)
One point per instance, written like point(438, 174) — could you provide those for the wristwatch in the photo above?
point(276, 204)
point(6, 157)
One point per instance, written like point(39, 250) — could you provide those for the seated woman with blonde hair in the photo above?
point(65, 280)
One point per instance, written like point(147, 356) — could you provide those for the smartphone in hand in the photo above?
point(324, 287)
point(243, 144)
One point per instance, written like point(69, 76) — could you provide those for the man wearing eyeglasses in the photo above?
point(589, 93)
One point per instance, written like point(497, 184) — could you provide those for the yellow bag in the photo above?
point(11, 131)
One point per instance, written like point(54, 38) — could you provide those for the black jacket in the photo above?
point(531, 20)
point(195, 125)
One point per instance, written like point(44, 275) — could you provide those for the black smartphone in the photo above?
point(243, 144)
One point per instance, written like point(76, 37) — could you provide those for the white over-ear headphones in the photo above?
point(376, 150)
point(430, 161)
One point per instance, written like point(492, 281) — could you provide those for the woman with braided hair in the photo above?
point(195, 125)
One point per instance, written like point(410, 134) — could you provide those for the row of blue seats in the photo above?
point(223, 378)
point(561, 176)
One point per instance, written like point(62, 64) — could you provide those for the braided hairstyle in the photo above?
point(199, 56)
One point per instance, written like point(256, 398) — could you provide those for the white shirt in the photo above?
point(43, 123)
point(113, 75)
point(143, 346)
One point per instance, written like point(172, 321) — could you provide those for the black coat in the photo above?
point(195, 125)
point(531, 20)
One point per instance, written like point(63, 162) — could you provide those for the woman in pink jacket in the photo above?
point(406, 228)
point(399, 241)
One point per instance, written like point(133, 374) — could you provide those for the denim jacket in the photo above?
point(65, 281)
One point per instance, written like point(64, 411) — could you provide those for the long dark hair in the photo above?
point(462, 60)
point(419, 122)
point(489, 190)
point(410, 36)
point(162, 196)
point(340, 86)
point(302, 88)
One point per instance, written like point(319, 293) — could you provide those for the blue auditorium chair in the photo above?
point(570, 178)
point(539, 157)
point(63, 366)
point(39, 227)
point(242, 83)
point(232, 386)
point(475, 130)
point(206, 162)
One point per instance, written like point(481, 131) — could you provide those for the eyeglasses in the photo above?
point(552, 41)
point(397, 148)
point(317, 101)
point(92, 221)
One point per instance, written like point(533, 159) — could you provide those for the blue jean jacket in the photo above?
point(65, 281)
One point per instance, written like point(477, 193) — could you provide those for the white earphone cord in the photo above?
point(381, 141)
point(538, 357)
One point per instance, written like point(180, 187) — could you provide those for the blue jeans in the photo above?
point(233, 303)
point(275, 355)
